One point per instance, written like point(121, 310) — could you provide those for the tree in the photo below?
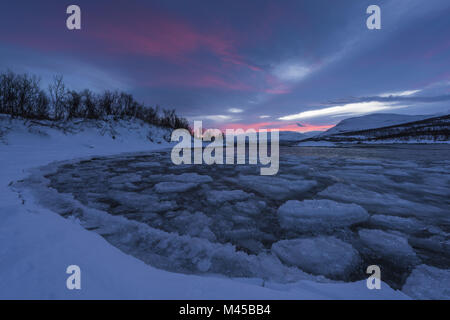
point(58, 93)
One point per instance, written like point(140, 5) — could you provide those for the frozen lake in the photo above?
point(328, 213)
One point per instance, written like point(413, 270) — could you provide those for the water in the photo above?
point(408, 181)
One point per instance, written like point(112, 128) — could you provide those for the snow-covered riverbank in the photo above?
point(37, 244)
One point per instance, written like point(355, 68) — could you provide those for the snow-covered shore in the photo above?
point(37, 245)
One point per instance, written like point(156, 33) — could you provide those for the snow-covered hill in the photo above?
point(371, 121)
point(368, 129)
point(37, 244)
point(290, 137)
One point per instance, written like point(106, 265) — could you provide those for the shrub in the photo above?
point(21, 96)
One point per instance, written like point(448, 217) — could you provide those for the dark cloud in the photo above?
point(270, 58)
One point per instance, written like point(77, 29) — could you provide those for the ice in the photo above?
point(171, 187)
point(427, 282)
point(190, 177)
point(195, 225)
point(436, 243)
point(275, 187)
point(145, 164)
point(216, 197)
point(124, 178)
point(408, 225)
point(380, 202)
point(300, 168)
point(388, 245)
point(251, 207)
point(225, 228)
point(327, 256)
point(319, 215)
point(39, 244)
point(131, 199)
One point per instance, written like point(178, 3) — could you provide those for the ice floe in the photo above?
point(327, 256)
point(427, 282)
point(319, 215)
point(386, 244)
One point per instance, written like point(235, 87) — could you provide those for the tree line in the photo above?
point(22, 97)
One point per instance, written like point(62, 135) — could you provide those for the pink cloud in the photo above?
point(169, 38)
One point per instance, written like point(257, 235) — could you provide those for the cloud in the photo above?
point(291, 72)
point(392, 98)
point(235, 110)
point(347, 109)
point(264, 116)
point(400, 93)
point(217, 117)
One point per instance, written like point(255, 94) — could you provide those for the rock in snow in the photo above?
point(327, 256)
point(388, 245)
point(426, 282)
point(319, 215)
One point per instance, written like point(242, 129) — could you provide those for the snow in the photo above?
point(387, 244)
point(38, 244)
point(290, 136)
point(372, 121)
point(328, 256)
point(427, 282)
point(319, 215)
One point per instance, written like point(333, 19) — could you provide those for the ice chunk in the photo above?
point(167, 187)
point(435, 243)
point(219, 196)
point(381, 202)
point(276, 187)
point(327, 256)
point(389, 245)
point(251, 207)
point(195, 225)
point(426, 282)
point(408, 225)
point(319, 215)
point(132, 199)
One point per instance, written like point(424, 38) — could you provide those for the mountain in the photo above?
point(311, 134)
point(372, 121)
point(289, 137)
point(424, 129)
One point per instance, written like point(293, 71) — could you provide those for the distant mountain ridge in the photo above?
point(378, 128)
point(372, 121)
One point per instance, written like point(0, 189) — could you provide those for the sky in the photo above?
point(293, 65)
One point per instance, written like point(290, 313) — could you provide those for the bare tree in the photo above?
point(58, 93)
